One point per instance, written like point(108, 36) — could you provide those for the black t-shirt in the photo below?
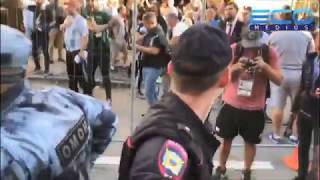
point(155, 39)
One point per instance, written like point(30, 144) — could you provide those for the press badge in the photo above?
point(245, 88)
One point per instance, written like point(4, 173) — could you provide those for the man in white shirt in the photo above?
point(176, 26)
point(76, 40)
point(292, 47)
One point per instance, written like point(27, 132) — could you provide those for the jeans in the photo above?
point(40, 39)
point(150, 76)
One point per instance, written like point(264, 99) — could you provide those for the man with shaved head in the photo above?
point(154, 55)
point(76, 35)
point(73, 4)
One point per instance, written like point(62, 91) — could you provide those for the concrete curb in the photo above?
point(116, 83)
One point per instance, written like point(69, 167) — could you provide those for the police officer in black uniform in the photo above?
point(306, 106)
point(173, 142)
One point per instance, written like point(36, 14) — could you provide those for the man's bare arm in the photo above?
point(148, 50)
point(84, 44)
point(103, 27)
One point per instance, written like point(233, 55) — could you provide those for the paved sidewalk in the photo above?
point(58, 73)
point(268, 165)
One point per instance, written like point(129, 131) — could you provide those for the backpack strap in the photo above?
point(238, 52)
point(265, 53)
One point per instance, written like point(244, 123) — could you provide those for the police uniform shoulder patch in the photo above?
point(172, 160)
point(73, 143)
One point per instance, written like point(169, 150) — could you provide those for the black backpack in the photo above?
point(265, 53)
point(168, 129)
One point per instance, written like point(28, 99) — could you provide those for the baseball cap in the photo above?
point(251, 39)
point(202, 51)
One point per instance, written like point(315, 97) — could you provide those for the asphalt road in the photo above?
point(268, 165)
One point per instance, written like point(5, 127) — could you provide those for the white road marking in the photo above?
point(232, 164)
point(257, 165)
point(108, 160)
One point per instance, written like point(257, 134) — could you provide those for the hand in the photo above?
point(81, 54)
point(62, 27)
point(139, 39)
point(243, 60)
point(139, 42)
point(236, 68)
point(138, 47)
point(92, 26)
point(260, 64)
point(240, 65)
point(317, 93)
point(67, 22)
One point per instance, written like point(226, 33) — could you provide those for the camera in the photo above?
point(249, 65)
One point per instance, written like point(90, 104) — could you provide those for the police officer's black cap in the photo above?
point(202, 51)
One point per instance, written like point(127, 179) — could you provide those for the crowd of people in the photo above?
point(45, 23)
point(194, 55)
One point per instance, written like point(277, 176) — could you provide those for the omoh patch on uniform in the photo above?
point(71, 145)
point(172, 160)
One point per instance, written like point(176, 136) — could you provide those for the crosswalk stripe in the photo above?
point(108, 160)
point(232, 164)
point(257, 165)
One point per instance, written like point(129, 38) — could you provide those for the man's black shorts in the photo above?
point(232, 121)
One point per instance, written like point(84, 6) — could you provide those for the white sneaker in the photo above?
point(294, 140)
point(275, 139)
